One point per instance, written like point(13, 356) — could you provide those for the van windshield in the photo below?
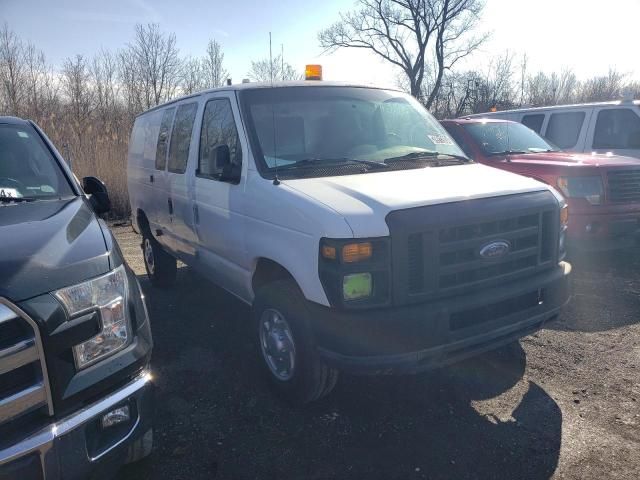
point(495, 138)
point(324, 130)
point(28, 171)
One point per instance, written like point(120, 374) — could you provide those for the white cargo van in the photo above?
point(599, 128)
point(359, 232)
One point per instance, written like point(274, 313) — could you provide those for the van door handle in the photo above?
point(151, 178)
point(196, 215)
point(170, 202)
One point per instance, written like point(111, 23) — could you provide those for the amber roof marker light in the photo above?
point(313, 72)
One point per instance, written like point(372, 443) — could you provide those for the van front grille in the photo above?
point(24, 386)
point(461, 247)
point(624, 185)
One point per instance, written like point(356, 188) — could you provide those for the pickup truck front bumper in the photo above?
point(76, 447)
point(414, 338)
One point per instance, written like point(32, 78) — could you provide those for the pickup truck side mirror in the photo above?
point(98, 195)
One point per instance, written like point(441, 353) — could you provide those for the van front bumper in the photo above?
point(75, 447)
point(420, 337)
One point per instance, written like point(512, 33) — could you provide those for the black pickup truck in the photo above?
point(76, 395)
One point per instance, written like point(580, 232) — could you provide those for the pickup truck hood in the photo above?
point(365, 200)
point(574, 159)
point(48, 244)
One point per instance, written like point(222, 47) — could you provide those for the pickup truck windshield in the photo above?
point(28, 171)
point(340, 130)
point(495, 138)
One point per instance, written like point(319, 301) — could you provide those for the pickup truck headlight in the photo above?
point(108, 295)
point(589, 188)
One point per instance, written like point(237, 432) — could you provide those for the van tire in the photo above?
point(310, 379)
point(160, 266)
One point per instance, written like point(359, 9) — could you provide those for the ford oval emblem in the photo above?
point(494, 250)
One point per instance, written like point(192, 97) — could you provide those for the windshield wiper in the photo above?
point(509, 152)
point(16, 199)
point(315, 162)
point(428, 156)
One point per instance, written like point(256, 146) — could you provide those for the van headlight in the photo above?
point(108, 295)
point(356, 273)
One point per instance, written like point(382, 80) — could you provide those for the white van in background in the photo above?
point(350, 221)
point(590, 127)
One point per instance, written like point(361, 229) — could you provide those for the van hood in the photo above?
point(47, 245)
point(365, 200)
point(574, 159)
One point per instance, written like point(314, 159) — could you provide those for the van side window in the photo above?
point(218, 129)
point(564, 128)
point(534, 122)
point(617, 128)
point(163, 139)
point(181, 137)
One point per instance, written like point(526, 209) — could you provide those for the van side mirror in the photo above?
point(222, 157)
point(98, 195)
point(228, 171)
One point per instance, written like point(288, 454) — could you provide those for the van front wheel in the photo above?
point(286, 346)
point(161, 267)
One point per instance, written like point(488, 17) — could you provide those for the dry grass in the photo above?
point(96, 151)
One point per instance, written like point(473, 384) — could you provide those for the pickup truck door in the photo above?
point(183, 149)
point(219, 202)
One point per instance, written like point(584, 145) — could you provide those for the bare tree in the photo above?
point(553, 89)
point(213, 71)
point(408, 33)
point(104, 77)
point(76, 86)
point(192, 76)
point(150, 67)
point(276, 70)
point(602, 88)
point(12, 71)
point(477, 91)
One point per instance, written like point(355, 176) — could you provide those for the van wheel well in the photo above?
point(268, 271)
point(142, 221)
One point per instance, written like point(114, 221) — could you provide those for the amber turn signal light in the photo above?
point(329, 252)
point(356, 252)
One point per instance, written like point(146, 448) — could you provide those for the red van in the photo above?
point(602, 191)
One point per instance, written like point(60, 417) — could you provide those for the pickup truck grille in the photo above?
point(624, 185)
point(24, 385)
point(436, 249)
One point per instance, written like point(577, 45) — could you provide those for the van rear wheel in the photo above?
point(161, 267)
point(286, 347)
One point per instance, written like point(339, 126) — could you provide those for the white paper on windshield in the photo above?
point(6, 192)
point(23, 134)
point(440, 139)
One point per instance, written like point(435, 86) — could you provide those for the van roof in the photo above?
point(256, 85)
point(557, 107)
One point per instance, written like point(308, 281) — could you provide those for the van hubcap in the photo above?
point(277, 345)
point(148, 255)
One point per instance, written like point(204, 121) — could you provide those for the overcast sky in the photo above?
point(585, 35)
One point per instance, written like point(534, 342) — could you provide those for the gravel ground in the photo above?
point(562, 403)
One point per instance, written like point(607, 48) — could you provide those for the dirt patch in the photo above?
point(562, 403)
